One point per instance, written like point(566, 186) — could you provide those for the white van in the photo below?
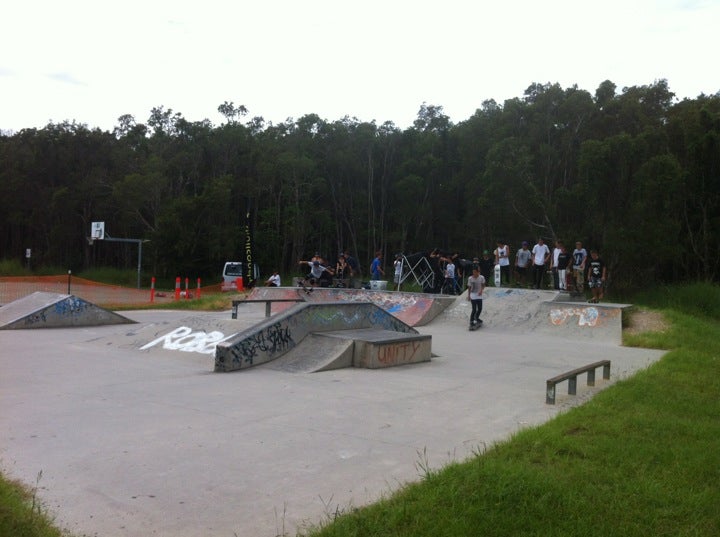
point(232, 271)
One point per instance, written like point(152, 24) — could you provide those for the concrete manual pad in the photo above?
point(152, 442)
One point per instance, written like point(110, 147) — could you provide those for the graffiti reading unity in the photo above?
point(398, 353)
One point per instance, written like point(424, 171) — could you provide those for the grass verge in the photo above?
point(21, 514)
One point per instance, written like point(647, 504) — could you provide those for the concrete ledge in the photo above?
point(414, 309)
point(376, 349)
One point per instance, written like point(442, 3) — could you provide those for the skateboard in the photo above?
point(474, 327)
point(305, 288)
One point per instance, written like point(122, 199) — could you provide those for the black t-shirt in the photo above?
point(486, 267)
point(563, 260)
point(596, 268)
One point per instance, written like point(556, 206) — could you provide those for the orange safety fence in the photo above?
point(101, 294)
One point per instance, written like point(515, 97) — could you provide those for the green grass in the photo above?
point(21, 515)
point(641, 458)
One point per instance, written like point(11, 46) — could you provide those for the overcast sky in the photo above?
point(93, 61)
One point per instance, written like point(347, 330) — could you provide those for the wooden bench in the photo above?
point(571, 377)
point(268, 302)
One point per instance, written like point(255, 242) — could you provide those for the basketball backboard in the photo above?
point(97, 231)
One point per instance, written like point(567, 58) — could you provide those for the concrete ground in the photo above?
point(137, 442)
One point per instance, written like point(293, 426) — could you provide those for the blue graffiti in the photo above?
point(71, 306)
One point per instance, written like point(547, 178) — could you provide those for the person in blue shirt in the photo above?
point(376, 270)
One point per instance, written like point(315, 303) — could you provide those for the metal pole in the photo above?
point(69, 276)
point(139, 261)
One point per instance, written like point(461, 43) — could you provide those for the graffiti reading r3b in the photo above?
point(185, 340)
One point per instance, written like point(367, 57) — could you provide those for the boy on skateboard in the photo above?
point(476, 286)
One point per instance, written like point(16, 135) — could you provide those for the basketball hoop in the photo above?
point(97, 231)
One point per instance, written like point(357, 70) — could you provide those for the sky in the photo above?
point(375, 60)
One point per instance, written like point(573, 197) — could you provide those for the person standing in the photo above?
point(486, 266)
point(342, 271)
point(376, 270)
point(579, 259)
point(502, 258)
point(398, 264)
point(562, 264)
point(354, 267)
point(554, 265)
point(449, 285)
point(476, 286)
point(541, 254)
point(522, 264)
point(597, 274)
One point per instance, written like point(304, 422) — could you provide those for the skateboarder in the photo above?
point(476, 286)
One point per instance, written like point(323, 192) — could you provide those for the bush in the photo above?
point(701, 299)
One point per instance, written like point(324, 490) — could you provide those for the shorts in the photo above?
point(595, 283)
point(397, 278)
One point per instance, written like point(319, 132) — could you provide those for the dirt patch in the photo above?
point(640, 321)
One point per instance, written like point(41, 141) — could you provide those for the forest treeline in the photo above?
point(633, 172)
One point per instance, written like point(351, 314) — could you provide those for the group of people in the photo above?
point(322, 274)
point(570, 270)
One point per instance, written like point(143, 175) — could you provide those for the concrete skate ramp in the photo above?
point(53, 310)
point(276, 336)
point(529, 310)
point(317, 352)
point(414, 309)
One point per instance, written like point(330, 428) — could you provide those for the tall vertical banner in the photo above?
point(248, 258)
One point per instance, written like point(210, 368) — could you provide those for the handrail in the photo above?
point(571, 377)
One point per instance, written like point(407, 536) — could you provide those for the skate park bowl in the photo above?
point(549, 312)
point(414, 309)
point(332, 334)
point(52, 310)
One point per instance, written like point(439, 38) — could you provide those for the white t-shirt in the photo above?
point(316, 270)
point(502, 254)
point(523, 257)
point(539, 252)
point(450, 270)
point(475, 286)
point(275, 280)
point(555, 255)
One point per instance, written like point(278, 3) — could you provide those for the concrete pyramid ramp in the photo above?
point(53, 310)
